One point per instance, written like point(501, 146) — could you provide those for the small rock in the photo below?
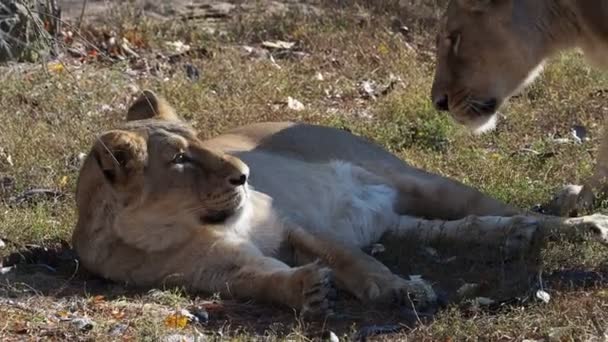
point(192, 72)
point(467, 290)
point(118, 329)
point(367, 89)
point(374, 330)
point(179, 338)
point(2, 244)
point(294, 104)
point(579, 133)
point(543, 296)
point(330, 336)
point(6, 183)
point(319, 77)
point(558, 334)
point(255, 52)
point(432, 252)
point(484, 301)
point(178, 46)
point(377, 248)
point(6, 270)
point(83, 324)
point(36, 195)
point(200, 314)
point(6, 159)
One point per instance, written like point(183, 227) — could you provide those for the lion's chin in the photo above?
point(224, 215)
point(488, 125)
point(480, 125)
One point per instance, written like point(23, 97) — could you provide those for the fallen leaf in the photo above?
point(63, 181)
point(20, 328)
point(99, 299)
point(278, 44)
point(63, 315)
point(117, 314)
point(602, 294)
point(178, 46)
point(56, 67)
point(6, 158)
point(176, 321)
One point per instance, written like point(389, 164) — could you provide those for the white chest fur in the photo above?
point(336, 199)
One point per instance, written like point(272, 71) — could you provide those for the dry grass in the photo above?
point(48, 117)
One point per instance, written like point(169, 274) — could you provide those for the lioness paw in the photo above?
point(392, 289)
point(317, 291)
point(415, 292)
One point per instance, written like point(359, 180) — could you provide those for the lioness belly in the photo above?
point(337, 198)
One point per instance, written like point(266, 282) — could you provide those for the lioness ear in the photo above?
point(481, 5)
point(120, 154)
point(150, 106)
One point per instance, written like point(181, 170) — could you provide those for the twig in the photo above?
point(84, 7)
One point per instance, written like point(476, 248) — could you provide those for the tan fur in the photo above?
point(487, 50)
point(157, 206)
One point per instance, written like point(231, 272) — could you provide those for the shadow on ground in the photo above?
point(52, 270)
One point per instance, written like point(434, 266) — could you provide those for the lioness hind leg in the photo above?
point(515, 234)
point(360, 274)
point(428, 195)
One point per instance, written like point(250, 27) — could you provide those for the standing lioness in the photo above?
point(489, 49)
point(270, 211)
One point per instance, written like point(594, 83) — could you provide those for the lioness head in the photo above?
point(157, 180)
point(486, 51)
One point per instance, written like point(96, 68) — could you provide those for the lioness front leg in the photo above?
point(360, 274)
point(307, 288)
point(573, 199)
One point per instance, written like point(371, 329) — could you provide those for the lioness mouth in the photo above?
point(217, 217)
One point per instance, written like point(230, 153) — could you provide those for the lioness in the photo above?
point(271, 211)
point(487, 50)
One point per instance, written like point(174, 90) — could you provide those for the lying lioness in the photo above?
point(488, 50)
point(273, 211)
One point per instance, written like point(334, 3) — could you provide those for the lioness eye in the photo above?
point(455, 42)
point(180, 158)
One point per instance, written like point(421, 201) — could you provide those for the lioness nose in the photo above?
point(238, 180)
point(441, 103)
